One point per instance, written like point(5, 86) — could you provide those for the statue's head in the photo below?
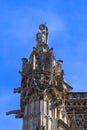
point(43, 27)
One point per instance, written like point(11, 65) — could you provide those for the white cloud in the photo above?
point(21, 24)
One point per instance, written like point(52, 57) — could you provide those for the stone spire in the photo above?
point(46, 100)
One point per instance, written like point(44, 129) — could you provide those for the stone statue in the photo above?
point(42, 35)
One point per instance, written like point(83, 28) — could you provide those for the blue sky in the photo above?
point(19, 21)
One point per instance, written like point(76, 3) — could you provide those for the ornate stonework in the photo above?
point(46, 99)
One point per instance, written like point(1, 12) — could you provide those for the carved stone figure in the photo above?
point(42, 35)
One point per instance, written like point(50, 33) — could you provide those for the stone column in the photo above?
point(25, 119)
point(34, 62)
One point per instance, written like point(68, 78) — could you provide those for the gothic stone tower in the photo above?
point(46, 100)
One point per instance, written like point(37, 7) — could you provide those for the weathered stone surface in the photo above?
point(46, 99)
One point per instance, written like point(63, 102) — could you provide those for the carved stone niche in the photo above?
point(37, 128)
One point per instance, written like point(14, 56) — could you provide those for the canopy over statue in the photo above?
point(42, 35)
